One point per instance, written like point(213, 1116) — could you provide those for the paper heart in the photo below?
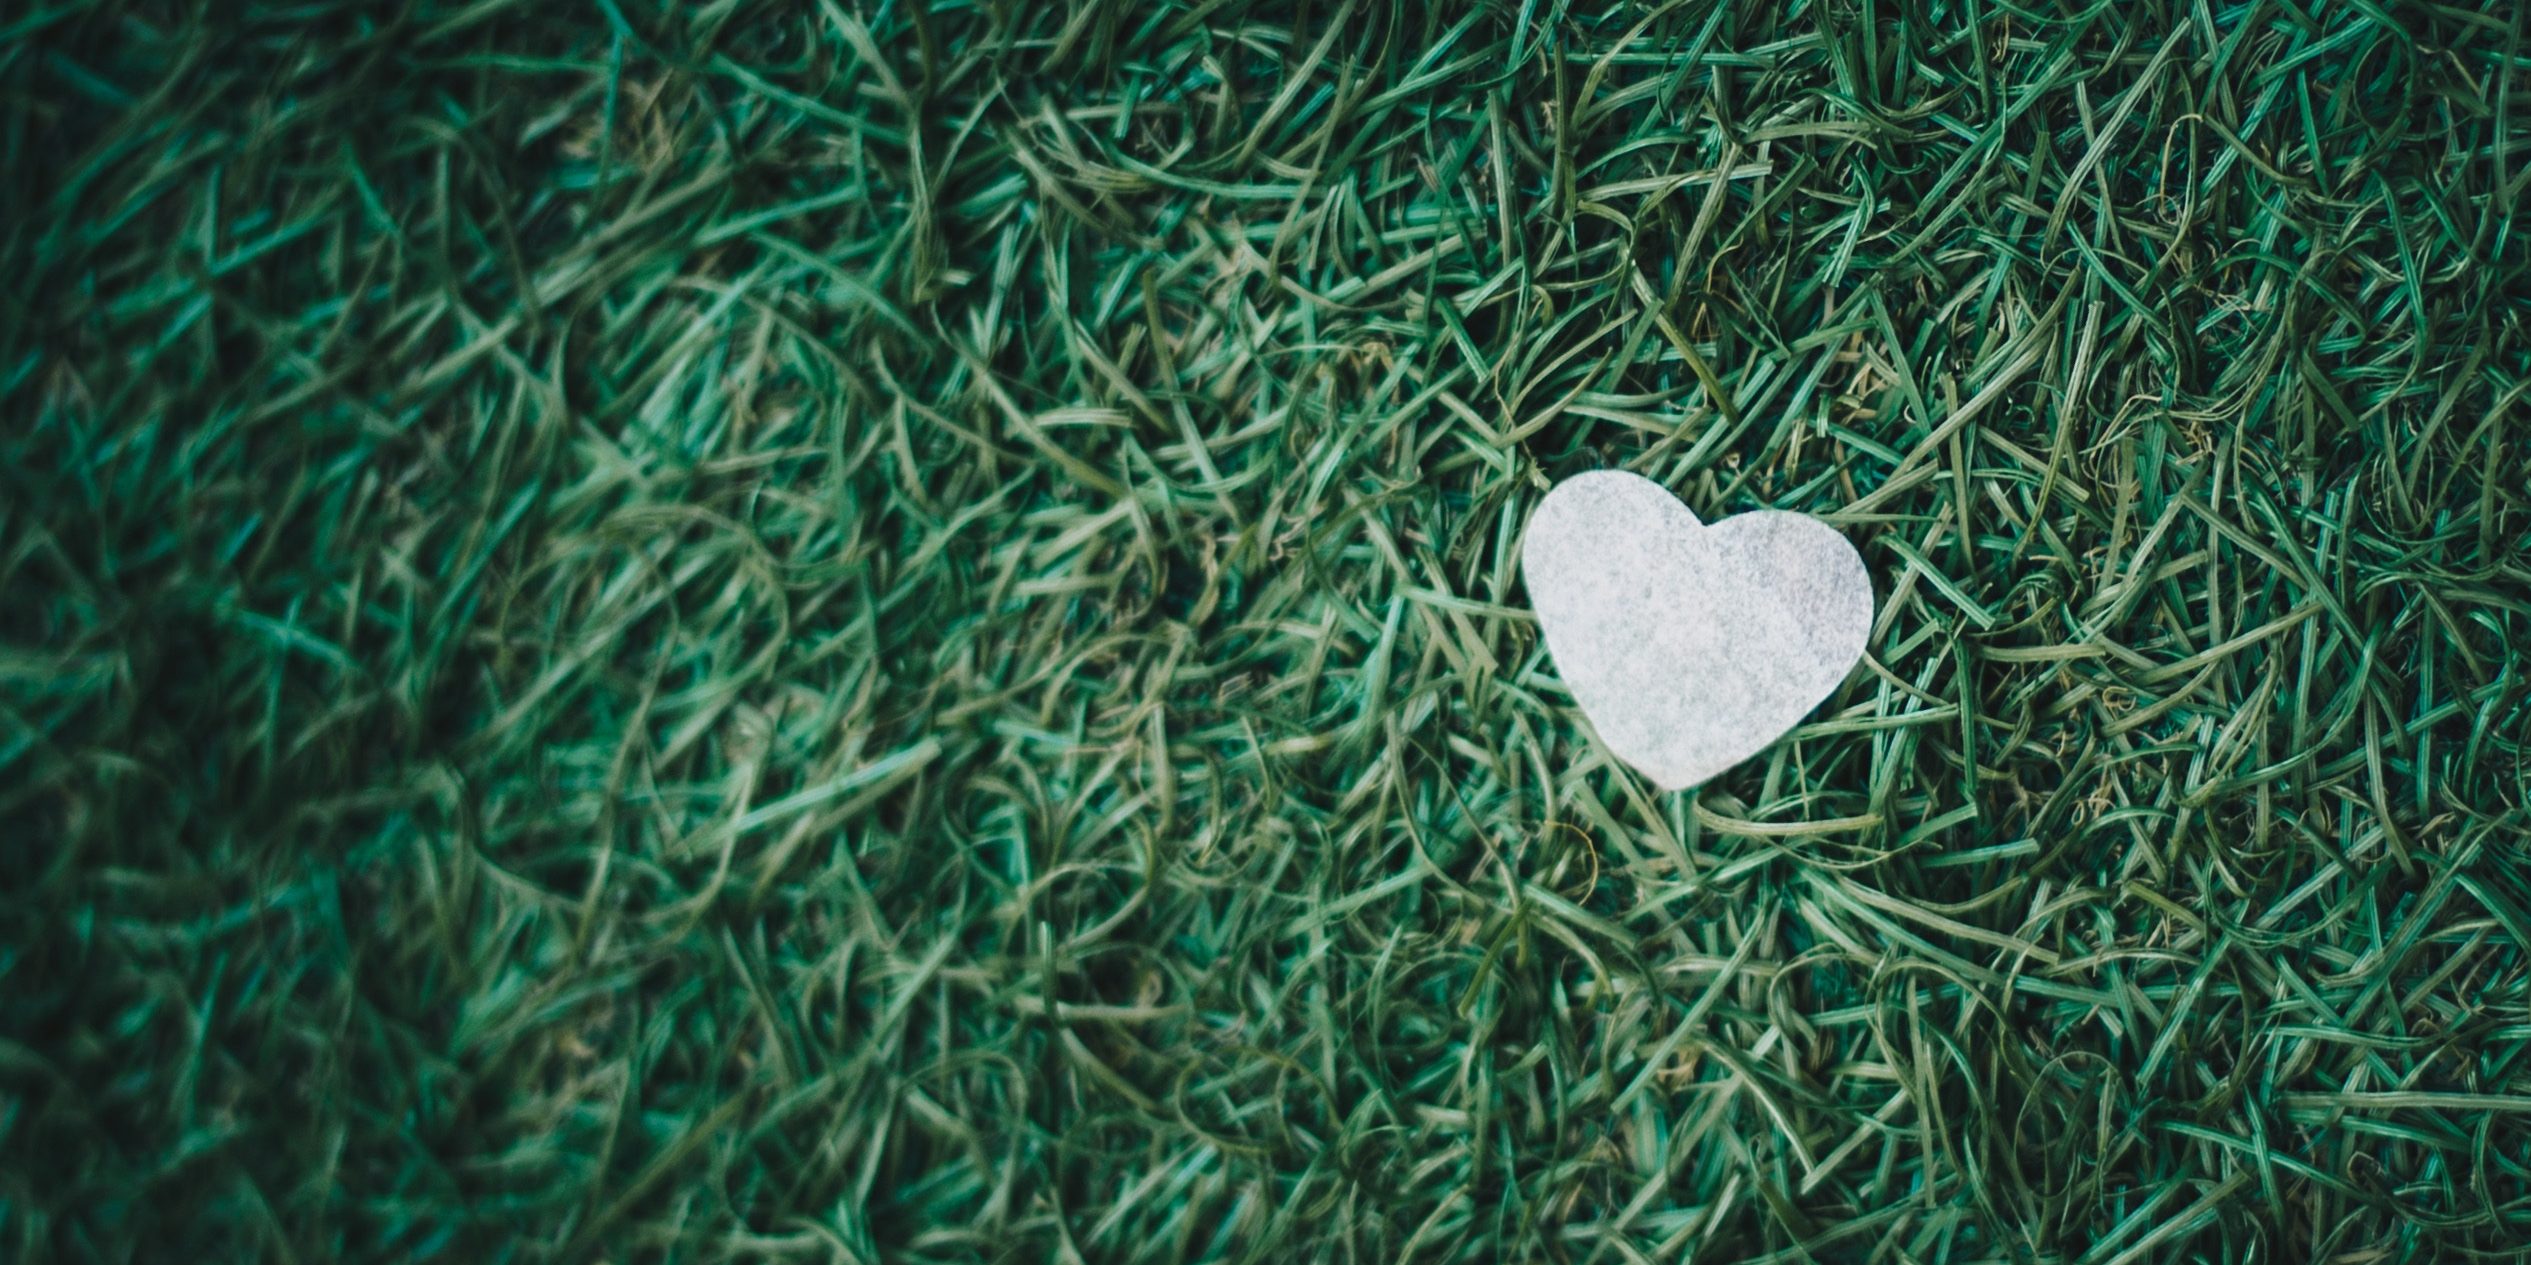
point(1690, 647)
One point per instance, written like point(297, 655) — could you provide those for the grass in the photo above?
point(842, 633)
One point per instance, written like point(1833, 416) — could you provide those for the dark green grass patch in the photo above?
point(845, 632)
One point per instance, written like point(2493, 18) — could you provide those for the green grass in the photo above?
point(830, 633)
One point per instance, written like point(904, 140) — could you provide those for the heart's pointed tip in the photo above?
point(1674, 777)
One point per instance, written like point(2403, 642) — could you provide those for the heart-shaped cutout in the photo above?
point(1689, 646)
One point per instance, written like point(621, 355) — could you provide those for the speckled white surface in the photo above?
point(1690, 647)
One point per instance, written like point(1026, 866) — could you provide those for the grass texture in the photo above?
point(850, 632)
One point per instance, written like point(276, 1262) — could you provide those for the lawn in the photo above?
point(849, 632)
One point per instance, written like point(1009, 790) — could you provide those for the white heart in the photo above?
point(1690, 647)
